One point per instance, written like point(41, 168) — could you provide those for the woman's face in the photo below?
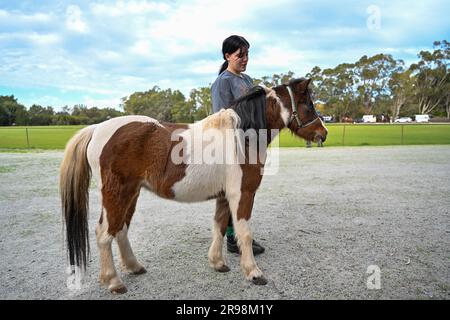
point(237, 61)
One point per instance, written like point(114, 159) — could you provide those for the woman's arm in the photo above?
point(221, 95)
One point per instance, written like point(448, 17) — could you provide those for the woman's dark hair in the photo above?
point(230, 45)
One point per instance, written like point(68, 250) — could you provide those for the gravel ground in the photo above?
point(328, 215)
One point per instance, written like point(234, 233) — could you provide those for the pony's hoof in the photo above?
point(140, 271)
point(223, 268)
point(259, 281)
point(119, 290)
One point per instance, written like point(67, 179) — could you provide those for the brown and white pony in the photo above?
point(127, 153)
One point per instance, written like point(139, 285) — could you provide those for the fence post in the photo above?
point(343, 136)
point(28, 139)
point(402, 133)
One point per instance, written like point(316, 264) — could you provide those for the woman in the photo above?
point(231, 84)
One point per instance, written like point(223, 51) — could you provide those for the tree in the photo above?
point(11, 112)
point(336, 90)
point(447, 97)
point(371, 76)
point(276, 79)
point(402, 90)
point(40, 116)
point(201, 102)
point(431, 77)
point(155, 103)
point(182, 112)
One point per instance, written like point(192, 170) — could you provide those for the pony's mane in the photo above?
point(295, 81)
point(251, 109)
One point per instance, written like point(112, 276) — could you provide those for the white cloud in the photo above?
point(202, 24)
point(101, 103)
point(74, 22)
point(32, 37)
point(204, 67)
point(18, 18)
point(108, 56)
point(131, 46)
point(141, 47)
point(121, 8)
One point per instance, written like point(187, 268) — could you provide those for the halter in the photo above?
point(294, 114)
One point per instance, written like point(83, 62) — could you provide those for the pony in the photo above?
point(128, 153)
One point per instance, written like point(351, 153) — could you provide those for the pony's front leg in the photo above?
point(241, 208)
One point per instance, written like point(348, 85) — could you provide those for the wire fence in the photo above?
point(36, 137)
point(338, 135)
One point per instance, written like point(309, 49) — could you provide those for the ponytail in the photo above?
point(223, 67)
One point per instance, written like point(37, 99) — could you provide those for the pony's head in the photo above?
point(303, 118)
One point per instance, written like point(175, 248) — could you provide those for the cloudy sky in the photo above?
point(95, 52)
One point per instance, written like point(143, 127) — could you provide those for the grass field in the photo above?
point(377, 135)
point(45, 137)
point(55, 137)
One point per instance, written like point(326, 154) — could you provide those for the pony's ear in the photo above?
point(304, 85)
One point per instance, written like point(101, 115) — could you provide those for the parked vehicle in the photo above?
point(403, 120)
point(369, 118)
point(422, 118)
point(327, 118)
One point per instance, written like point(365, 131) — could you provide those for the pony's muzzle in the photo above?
point(320, 138)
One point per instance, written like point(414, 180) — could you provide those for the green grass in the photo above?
point(377, 135)
point(56, 137)
point(45, 137)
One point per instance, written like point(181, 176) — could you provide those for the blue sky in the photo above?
point(96, 52)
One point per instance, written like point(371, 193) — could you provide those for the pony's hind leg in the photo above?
point(215, 255)
point(128, 260)
point(108, 274)
point(117, 198)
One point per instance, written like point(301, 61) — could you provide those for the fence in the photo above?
point(338, 135)
point(36, 137)
point(387, 134)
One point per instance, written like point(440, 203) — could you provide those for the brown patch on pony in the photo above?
point(245, 205)
point(223, 213)
point(273, 111)
point(138, 152)
point(251, 180)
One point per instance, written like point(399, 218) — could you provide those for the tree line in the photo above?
point(372, 85)
point(14, 113)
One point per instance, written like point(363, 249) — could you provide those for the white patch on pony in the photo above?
point(102, 133)
point(284, 112)
point(108, 273)
point(248, 263)
point(75, 277)
point(233, 188)
point(204, 180)
point(215, 256)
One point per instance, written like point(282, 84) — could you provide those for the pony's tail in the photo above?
point(75, 176)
